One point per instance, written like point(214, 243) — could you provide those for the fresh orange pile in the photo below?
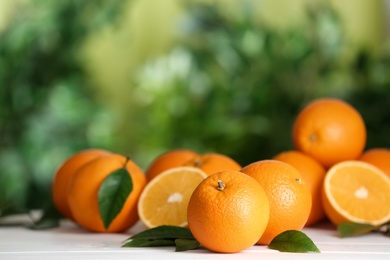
point(229, 208)
point(330, 132)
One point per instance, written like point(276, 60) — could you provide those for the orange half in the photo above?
point(164, 200)
point(356, 191)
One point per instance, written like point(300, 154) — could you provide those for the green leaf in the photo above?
point(112, 195)
point(348, 229)
point(44, 224)
point(149, 242)
point(164, 232)
point(50, 219)
point(183, 244)
point(293, 241)
point(164, 235)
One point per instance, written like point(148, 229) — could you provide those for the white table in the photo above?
point(71, 242)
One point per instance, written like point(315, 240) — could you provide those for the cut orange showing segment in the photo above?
point(358, 192)
point(164, 200)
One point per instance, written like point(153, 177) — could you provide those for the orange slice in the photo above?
point(356, 191)
point(164, 199)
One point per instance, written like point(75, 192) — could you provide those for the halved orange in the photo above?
point(164, 199)
point(356, 191)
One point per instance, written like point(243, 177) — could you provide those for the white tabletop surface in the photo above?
point(71, 242)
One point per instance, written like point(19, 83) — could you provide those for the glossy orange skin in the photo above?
point(83, 193)
point(64, 175)
point(168, 160)
point(228, 220)
point(329, 130)
point(210, 162)
point(288, 195)
point(313, 173)
point(379, 157)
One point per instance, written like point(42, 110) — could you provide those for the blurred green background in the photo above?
point(140, 77)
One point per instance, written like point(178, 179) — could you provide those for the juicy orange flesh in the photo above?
point(357, 189)
point(166, 201)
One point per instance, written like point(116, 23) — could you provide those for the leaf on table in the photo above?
point(293, 241)
point(349, 229)
point(164, 232)
point(44, 224)
point(164, 235)
point(113, 194)
point(50, 219)
point(183, 244)
point(149, 242)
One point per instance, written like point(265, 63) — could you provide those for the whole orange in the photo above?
point(84, 188)
point(330, 130)
point(379, 157)
point(209, 163)
point(64, 175)
point(313, 173)
point(289, 196)
point(167, 160)
point(228, 212)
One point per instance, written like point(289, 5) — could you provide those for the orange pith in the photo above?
point(356, 191)
point(165, 198)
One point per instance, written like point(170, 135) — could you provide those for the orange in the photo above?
point(64, 175)
point(379, 157)
point(313, 173)
point(228, 212)
point(356, 191)
point(210, 162)
point(84, 187)
point(330, 130)
point(289, 196)
point(165, 199)
point(169, 159)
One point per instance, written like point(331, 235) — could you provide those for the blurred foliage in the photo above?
point(229, 84)
point(234, 85)
point(46, 112)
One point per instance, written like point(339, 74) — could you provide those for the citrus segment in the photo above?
point(356, 191)
point(164, 199)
